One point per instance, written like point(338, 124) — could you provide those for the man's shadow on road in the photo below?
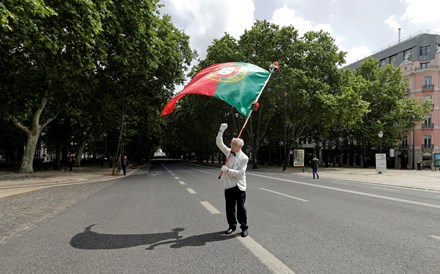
point(93, 240)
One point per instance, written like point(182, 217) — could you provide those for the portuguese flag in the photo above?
point(238, 84)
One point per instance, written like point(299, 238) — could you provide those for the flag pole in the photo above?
point(272, 68)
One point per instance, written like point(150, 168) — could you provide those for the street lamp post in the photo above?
point(285, 133)
point(380, 134)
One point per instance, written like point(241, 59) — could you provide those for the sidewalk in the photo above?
point(12, 183)
point(418, 179)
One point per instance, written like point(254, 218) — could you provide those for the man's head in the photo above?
point(236, 144)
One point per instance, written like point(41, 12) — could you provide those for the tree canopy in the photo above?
point(76, 58)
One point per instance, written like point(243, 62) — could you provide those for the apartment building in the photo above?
point(419, 58)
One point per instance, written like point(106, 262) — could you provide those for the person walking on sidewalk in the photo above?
point(124, 164)
point(315, 165)
point(234, 182)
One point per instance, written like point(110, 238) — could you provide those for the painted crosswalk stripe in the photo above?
point(210, 207)
point(435, 237)
point(190, 190)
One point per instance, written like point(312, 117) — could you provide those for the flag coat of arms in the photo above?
point(238, 84)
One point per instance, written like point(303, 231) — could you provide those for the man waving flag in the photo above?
point(238, 84)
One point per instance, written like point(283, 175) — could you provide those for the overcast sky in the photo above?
point(359, 27)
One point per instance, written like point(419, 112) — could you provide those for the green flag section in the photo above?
point(238, 84)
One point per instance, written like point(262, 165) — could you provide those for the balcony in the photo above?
point(431, 67)
point(427, 147)
point(427, 87)
point(403, 146)
point(428, 125)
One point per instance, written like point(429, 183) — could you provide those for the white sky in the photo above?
point(359, 27)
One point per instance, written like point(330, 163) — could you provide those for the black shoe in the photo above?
point(244, 233)
point(230, 230)
point(317, 177)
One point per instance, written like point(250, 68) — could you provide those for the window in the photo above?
point(427, 84)
point(428, 121)
point(424, 51)
point(428, 97)
point(427, 80)
point(405, 143)
point(423, 65)
point(427, 141)
point(393, 59)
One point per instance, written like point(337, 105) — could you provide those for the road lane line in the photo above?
point(335, 182)
point(190, 190)
point(182, 183)
point(265, 257)
point(349, 191)
point(385, 188)
point(282, 194)
point(210, 207)
point(435, 237)
point(177, 178)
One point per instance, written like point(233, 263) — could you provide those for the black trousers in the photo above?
point(235, 198)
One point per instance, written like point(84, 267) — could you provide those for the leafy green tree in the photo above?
point(390, 110)
point(59, 54)
point(306, 91)
point(46, 46)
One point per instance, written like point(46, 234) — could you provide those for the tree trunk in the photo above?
point(79, 154)
point(29, 152)
point(33, 134)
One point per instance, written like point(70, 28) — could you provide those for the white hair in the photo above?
point(239, 141)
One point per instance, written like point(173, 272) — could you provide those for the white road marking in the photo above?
point(182, 183)
point(435, 237)
point(177, 178)
point(342, 183)
point(190, 190)
point(349, 191)
point(282, 194)
point(265, 257)
point(385, 188)
point(210, 207)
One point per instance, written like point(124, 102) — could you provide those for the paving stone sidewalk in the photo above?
point(29, 199)
point(418, 179)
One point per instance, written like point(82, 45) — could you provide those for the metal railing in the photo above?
point(428, 146)
point(428, 125)
point(427, 87)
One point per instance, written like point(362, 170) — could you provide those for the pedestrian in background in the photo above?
point(315, 165)
point(124, 164)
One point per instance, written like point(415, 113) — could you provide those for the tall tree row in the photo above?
point(309, 98)
point(89, 64)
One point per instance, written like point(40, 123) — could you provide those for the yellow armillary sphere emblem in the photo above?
point(228, 73)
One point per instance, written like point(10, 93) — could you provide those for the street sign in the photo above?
point(381, 162)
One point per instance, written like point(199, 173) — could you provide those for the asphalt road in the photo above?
point(170, 220)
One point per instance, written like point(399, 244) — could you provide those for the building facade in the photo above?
point(419, 58)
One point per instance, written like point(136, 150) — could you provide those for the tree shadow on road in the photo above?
point(94, 240)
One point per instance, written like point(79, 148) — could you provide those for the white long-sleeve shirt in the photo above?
point(237, 164)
